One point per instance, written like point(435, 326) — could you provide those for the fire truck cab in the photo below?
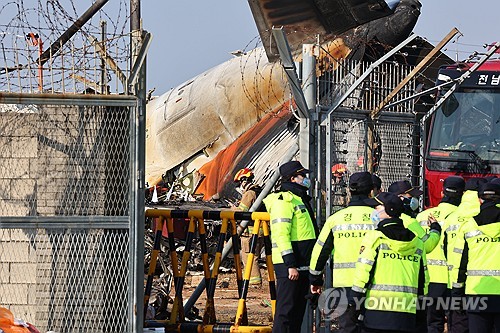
point(464, 133)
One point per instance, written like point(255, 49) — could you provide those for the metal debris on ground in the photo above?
point(162, 290)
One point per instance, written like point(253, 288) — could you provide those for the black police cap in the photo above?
point(404, 187)
point(472, 184)
point(490, 188)
point(292, 168)
point(454, 184)
point(393, 205)
point(361, 182)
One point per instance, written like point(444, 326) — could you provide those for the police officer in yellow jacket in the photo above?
point(478, 274)
point(390, 272)
point(468, 208)
point(341, 236)
point(453, 189)
point(293, 234)
point(409, 195)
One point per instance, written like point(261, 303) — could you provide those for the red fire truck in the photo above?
point(464, 132)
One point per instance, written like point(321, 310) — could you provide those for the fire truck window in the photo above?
point(467, 122)
point(473, 127)
point(476, 120)
point(450, 105)
point(446, 127)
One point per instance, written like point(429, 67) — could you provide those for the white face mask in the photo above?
point(411, 203)
point(375, 217)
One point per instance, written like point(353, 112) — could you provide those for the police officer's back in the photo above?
point(453, 188)
point(458, 321)
point(477, 275)
point(390, 270)
point(341, 235)
point(469, 206)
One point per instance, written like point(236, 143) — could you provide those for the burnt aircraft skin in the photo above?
point(393, 29)
point(188, 126)
point(306, 19)
point(207, 113)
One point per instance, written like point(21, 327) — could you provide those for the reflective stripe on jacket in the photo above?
point(469, 207)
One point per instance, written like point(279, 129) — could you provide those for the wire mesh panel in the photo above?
point(348, 153)
point(64, 160)
point(395, 162)
point(66, 280)
point(367, 96)
point(356, 142)
point(66, 204)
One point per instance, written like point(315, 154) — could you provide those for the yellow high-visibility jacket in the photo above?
point(477, 251)
point(391, 274)
point(436, 260)
point(469, 207)
point(292, 230)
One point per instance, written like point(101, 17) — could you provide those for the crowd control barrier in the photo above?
point(177, 322)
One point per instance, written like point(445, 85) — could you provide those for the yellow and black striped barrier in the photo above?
point(177, 323)
point(241, 315)
point(152, 265)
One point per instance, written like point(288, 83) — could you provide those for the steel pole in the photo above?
point(79, 23)
point(137, 170)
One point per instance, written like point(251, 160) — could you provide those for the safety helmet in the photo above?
point(244, 174)
point(339, 168)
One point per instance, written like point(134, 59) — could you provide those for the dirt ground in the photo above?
point(226, 298)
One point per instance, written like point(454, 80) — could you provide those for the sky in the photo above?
point(192, 36)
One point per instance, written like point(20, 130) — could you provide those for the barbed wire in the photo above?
point(30, 27)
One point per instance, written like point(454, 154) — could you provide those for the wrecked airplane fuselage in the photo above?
point(204, 115)
point(190, 125)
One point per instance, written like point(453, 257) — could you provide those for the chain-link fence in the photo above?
point(67, 200)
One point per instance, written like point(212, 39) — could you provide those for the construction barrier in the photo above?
point(176, 322)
